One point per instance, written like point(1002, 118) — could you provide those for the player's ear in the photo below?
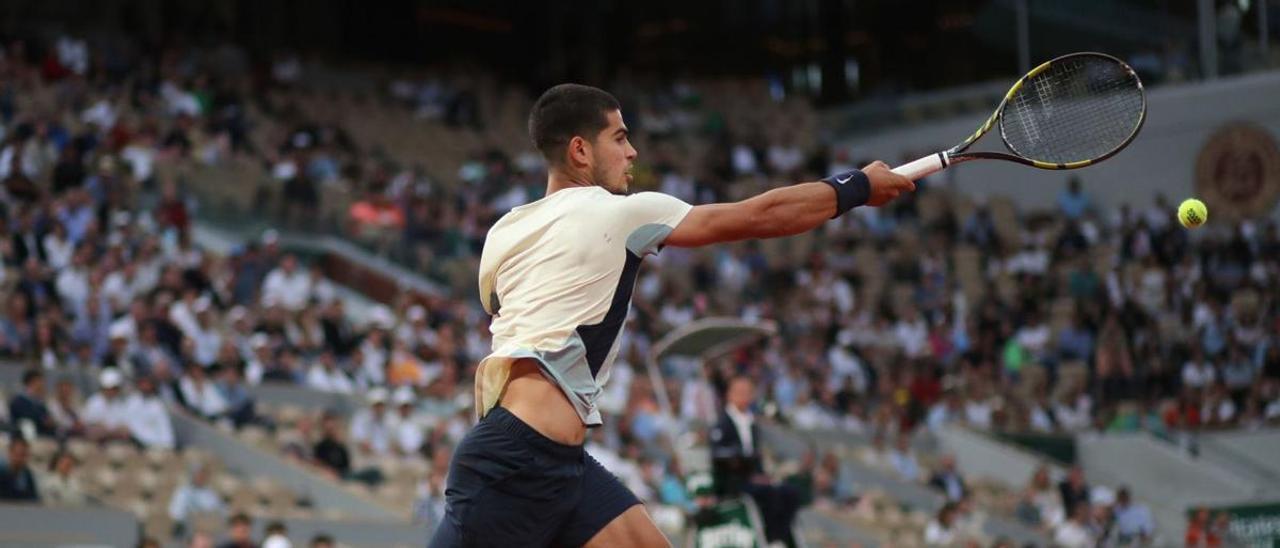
point(578, 152)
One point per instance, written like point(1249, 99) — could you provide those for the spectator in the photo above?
point(277, 536)
point(1072, 201)
point(149, 417)
point(65, 409)
point(17, 483)
point(326, 376)
point(201, 539)
point(941, 530)
point(409, 436)
point(429, 508)
point(1074, 491)
point(193, 496)
point(286, 368)
point(903, 459)
point(1075, 532)
point(1133, 520)
point(1199, 531)
point(375, 219)
point(107, 414)
point(61, 486)
point(287, 285)
point(948, 480)
point(240, 532)
point(240, 404)
point(331, 452)
point(200, 394)
point(370, 428)
point(1041, 504)
point(322, 540)
point(28, 410)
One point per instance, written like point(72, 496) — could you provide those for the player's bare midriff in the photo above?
point(541, 404)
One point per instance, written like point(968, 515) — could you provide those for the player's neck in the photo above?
point(558, 179)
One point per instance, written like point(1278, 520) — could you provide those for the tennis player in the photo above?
point(557, 275)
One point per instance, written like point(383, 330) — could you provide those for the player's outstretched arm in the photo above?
point(789, 210)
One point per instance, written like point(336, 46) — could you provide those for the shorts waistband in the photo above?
point(507, 422)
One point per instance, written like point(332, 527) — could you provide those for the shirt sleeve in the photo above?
point(647, 218)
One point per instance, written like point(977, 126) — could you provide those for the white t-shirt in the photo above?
point(149, 422)
point(324, 380)
point(557, 276)
point(290, 290)
point(110, 413)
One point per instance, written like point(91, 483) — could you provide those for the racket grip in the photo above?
point(923, 167)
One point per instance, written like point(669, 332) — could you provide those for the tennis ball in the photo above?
point(1192, 213)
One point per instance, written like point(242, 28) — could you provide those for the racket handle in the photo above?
point(923, 167)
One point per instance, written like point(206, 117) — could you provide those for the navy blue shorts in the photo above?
point(511, 486)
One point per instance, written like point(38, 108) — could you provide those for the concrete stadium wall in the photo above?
point(1180, 119)
point(41, 526)
point(980, 456)
point(1256, 453)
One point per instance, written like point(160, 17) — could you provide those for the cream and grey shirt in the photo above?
point(557, 275)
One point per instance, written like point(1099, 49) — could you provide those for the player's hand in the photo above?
point(885, 184)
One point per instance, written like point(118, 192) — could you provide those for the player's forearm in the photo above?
point(791, 210)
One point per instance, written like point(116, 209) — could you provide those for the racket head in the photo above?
point(1072, 111)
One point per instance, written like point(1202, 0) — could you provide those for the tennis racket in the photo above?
point(1068, 113)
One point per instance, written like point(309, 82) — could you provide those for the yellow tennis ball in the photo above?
point(1192, 213)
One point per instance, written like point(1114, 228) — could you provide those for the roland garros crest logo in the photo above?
point(1238, 172)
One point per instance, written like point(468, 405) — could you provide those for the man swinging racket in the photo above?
point(557, 276)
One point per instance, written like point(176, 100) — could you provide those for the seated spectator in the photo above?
point(200, 394)
point(375, 217)
point(28, 410)
point(1076, 532)
point(948, 480)
point(107, 413)
point(331, 451)
point(950, 409)
point(941, 530)
point(240, 405)
point(65, 409)
point(193, 496)
point(17, 483)
point(370, 427)
point(408, 431)
point(277, 536)
point(326, 376)
point(1134, 525)
point(878, 454)
point(287, 285)
point(1073, 490)
point(286, 368)
point(149, 417)
point(322, 540)
point(1041, 504)
point(61, 486)
point(903, 459)
point(239, 532)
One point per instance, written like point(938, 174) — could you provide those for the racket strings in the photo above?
point(1077, 109)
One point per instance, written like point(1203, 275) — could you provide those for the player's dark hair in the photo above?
point(31, 375)
point(565, 111)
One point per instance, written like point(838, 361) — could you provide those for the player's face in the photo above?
point(612, 155)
